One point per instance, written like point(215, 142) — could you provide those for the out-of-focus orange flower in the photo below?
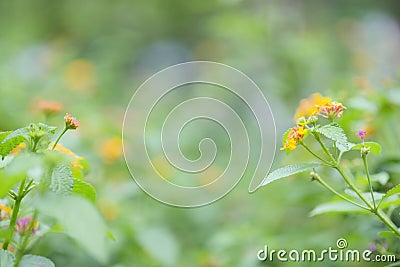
point(361, 82)
point(295, 136)
point(79, 75)
point(49, 108)
point(109, 209)
point(5, 211)
point(71, 122)
point(61, 148)
point(18, 148)
point(111, 149)
point(309, 106)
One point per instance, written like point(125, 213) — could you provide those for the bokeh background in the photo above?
point(92, 55)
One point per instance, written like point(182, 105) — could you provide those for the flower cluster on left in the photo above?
point(38, 175)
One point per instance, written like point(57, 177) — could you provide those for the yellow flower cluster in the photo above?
point(309, 107)
point(294, 137)
point(308, 111)
point(319, 105)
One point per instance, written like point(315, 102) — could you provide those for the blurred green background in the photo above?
point(92, 55)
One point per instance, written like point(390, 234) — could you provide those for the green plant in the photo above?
point(42, 190)
point(317, 117)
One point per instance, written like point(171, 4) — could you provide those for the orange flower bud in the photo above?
point(71, 122)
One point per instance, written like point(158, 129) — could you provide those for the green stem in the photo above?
point(381, 215)
point(14, 214)
point(353, 187)
point(315, 155)
point(25, 239)
point(59, 137)
point(364, 157)
point(34, 145)
point(335, 149)
point(323, 183)
point(387, 221)
point(325, 149)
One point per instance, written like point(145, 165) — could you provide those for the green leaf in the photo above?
point(46, 128)
point(61, 179)
point(335, 133)
point(6, 258)
point(287, 171)
point(4, 232)
point(336, 207)
point(35, 261)
point(79, 219)
point(15, 171)
point(160, 244)
point(377, 196)
point(6, 146)
point(382, 178)
point(393, 264)
point(373, 147)
point(395, 190)
point(388, 234)
point(84, 189)
point(19, 133)
point(285, 135)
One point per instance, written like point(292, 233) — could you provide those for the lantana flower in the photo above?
point(294, 137)
point(317, 105)
point(24, 224)
point(331, 110)
point(71, 122)
point(362, 135)
point(49, 107)
point(5, 211)
point(309, 106)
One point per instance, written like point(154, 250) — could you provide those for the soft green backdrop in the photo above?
point(92, 55)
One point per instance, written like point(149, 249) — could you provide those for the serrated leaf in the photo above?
point(61, 179)
point(84, 189)
point(395, 190)
point(35, 261)
point(373, 147)
point(287, 171)
point(8, 144)
point(6, 258)
point(79, 219)
point(335, 133)
point(336, 207)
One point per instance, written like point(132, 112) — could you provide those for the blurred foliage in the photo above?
point(91, 55)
